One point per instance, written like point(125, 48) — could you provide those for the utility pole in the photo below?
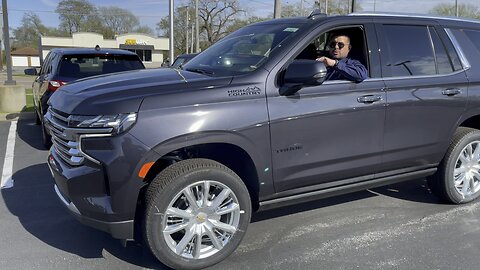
point(197, 32)
point(301, 8)
point(352, 10)
point(6, 42)
point(277, 10)
point(191, 46)
point(326, 6)
point(1, 38)
point(1, 58)
point(171, 53)
point(456, 8)
point(186, 34)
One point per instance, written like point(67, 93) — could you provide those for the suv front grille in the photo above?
point(66, 143)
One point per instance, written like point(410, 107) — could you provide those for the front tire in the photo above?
point(458, 177)
point(37, 118)
point(46, 138)
point(197, 212)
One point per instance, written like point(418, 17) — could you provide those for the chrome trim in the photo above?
point(56, 115)
point(412, 15)
point(69, 205)
point(83, 136)
point(68, 132)
point(67, 140)
point(423, 76)
point(333, 82)
point(466, 65)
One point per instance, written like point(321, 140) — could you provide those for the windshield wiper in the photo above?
point(201, 71)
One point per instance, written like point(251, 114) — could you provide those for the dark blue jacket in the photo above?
point(347, 69)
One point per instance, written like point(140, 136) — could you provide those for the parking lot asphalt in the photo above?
point(401, 226)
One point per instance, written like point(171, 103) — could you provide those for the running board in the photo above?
point(339, 190)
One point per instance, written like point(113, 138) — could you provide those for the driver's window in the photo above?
point(322, 45)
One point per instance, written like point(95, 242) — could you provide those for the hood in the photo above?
point(123, 92)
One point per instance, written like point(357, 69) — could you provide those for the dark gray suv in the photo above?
point(181, 158)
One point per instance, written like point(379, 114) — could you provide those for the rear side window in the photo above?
point(444, 64)
point(46, 63)
point(457, 64)
point(84, 65)
point(410, 49)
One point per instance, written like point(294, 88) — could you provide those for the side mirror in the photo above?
point(30, 71)
point(302, 73)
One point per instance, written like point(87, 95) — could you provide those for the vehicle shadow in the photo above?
point(413, 190)
point(28, 131)
point(34, 202)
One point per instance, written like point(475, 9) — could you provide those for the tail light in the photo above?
point(54, 85)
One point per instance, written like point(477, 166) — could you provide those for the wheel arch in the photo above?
point(228, 148)
point(472, 121)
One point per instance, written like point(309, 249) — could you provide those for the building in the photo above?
point(148, 48)
point(25, 57)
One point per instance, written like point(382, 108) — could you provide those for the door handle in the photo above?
point(368, 99)
point(451, 92)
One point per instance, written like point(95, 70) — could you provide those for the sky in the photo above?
point(151, 11)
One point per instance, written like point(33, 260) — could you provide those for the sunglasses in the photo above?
point(333, 44)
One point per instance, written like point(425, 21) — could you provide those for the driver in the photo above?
point(340, 66)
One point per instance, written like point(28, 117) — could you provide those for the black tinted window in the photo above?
point(84, 65)
point(443, 61)
point(410, 50)
point(457, 64)
point(46, 63)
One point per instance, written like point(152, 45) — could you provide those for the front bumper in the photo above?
point(119, 230)
point(83, 192)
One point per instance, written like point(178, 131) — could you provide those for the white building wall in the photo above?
point(20, 61)
point(35, 60)
point(90, 40)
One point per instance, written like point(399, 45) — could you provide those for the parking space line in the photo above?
point(7, 172)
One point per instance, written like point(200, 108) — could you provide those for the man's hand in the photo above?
point(327, 61)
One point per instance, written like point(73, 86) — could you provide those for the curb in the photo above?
point(16, 116)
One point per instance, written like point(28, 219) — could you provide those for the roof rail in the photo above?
point(317, 13)
point(414, 15)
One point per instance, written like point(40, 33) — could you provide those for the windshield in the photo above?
point(243, 51)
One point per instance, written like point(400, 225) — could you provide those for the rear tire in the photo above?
point(458, 177)
point(197, 212)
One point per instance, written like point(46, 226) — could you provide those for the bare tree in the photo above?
point(216, 16)
point(181, 28)
point(239, 23)
point(334, 7)
point(77, 15)
point(117, 20)
point(28, 33)
point(215, 20)
point(464, 10)
point(144, 30)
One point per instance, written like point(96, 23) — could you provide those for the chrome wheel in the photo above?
point(466, 173)
point(201, 219)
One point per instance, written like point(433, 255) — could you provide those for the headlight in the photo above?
point(119, 123)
